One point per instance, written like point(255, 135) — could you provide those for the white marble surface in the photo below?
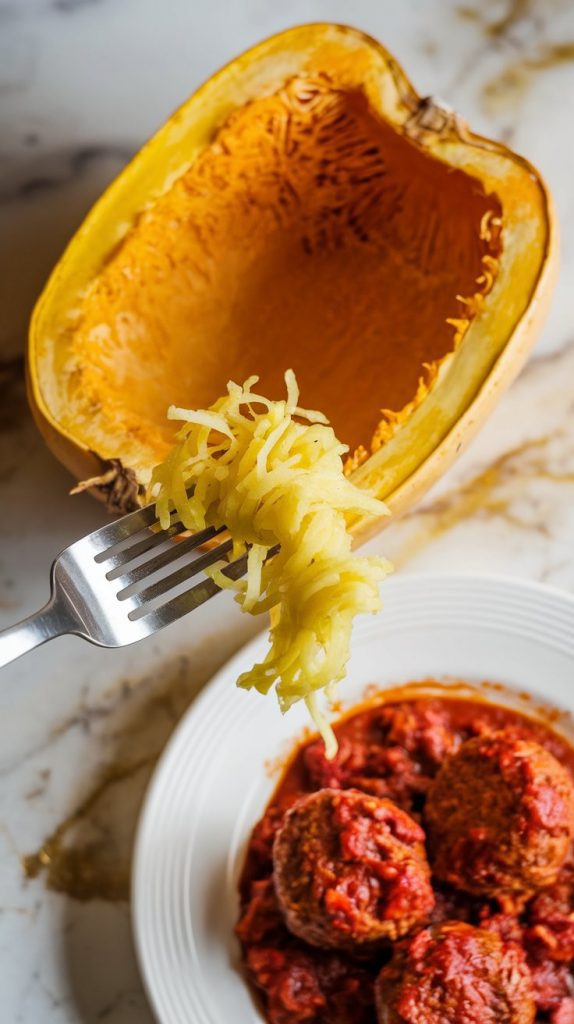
point(82, 83)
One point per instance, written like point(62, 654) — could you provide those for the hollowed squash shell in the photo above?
point(304, 208)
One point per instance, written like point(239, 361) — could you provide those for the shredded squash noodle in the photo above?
point(272, 473)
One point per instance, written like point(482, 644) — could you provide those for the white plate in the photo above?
point(213, 780)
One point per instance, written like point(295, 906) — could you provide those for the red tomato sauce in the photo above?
point(394, 750)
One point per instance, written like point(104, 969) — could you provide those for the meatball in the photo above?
point(500, 817)
point(455, 974)
point(350, 869)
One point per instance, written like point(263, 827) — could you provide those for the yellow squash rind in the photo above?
point(420, 443)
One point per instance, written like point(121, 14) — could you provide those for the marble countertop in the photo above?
point(83, 83)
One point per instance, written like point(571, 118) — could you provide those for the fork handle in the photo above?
point(31, 632)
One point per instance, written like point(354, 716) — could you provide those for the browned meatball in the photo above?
point(455, 974)
point(500, 816)
point(350, 869)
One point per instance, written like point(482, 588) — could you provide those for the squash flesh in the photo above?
point(309, 233)
point(99, 407)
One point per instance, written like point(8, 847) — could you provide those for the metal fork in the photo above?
point(122, 583)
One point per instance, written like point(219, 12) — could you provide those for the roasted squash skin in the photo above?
point(379, 181)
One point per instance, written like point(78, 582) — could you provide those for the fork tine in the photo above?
point(179, 576)
point(151, 540)
point(175, 551)
point(125, 527)
point(190, 599)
